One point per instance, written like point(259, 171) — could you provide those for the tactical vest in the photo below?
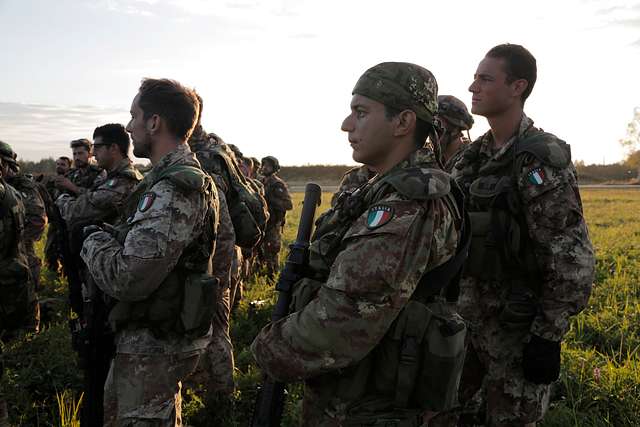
point(16, 292)
point(501, 248)
point(86, 180)
point(183, 304)
point(418, 364)
point(247, 207)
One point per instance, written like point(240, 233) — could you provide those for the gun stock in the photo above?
point(270, 400)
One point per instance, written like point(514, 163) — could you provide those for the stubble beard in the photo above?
point(142, 149)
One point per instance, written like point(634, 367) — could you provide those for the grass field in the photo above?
point(599, 384)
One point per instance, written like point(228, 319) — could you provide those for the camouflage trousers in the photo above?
point(215, 367)
point(494, 363)
point(35, 264)
point(270, 249)
point(144, 390)
point(53, 249)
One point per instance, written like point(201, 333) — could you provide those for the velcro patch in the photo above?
point(378, 216)
point(146, 201)
point(536, 176)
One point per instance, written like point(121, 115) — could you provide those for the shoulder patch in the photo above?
point(110, 182)
point(536, 176)
point(146, 201)
point(379, 215)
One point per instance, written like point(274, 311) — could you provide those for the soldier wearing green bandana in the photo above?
point(370, 333)
point(531, 263)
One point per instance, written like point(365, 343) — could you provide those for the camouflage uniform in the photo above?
point(279, 202)
point(352, 313)
point(352, 179)
point(151, 265)
point(18, 303)
point(216, 367)
point(453, 111)
point(85, 177)
point(36, 221)
point(531, 294)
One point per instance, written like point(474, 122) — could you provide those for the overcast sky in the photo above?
point(276, 75)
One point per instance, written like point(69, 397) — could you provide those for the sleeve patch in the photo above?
point(536, 176)
point(146, 201)
point(379, 215)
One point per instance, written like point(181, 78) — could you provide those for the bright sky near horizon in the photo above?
point(276, 75)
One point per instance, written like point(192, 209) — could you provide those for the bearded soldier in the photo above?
point(84, 173)
point(531, 262)
point(454, 118)
point(103, 203)
point(157, 263)
point(370, 318)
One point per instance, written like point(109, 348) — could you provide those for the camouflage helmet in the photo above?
point(402, 86)
point(7, 154)
point(274, 162)
point(454, 111)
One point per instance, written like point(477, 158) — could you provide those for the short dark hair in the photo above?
point(82, 142)
point(114, 133)
point(175, 103)
point(66, 159)
point(422, 130)
point(519, 64)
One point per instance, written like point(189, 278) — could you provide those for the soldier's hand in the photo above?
point(89, 230)
point(541, 360)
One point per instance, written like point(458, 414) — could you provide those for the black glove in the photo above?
point(89, 230)
point(541, 360)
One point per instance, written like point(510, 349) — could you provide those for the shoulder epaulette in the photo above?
point(547, 148)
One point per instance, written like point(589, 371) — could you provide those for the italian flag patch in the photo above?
point(378, 216)
point(146, 201)
point(536, 176)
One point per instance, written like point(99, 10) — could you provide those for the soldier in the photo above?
point(215, 370)
point(35, 215)
point(531, 263)
point(279, 202)
point(19, 309)
point(366, 304)
point(454, 118)
point(157, 263)
point(352, 179)
point(52, 248)
point(103, 203)
point(84, 174)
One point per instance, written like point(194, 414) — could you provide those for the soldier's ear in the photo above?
point(405, 123)
point(153, 124)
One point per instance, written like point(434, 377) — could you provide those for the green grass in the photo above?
point(600, 379)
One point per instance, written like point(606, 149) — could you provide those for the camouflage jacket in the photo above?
point(278, 199)
point(15, 277)
point(364, 280)
point(551, 212)
point(164, 223)
point(205, 145)
point(85, 177)
point(455, 158)
point(352, 179)
point(34, 205)
point(104, 201)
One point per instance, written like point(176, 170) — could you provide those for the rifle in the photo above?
point(90, 337)
point(270, 400)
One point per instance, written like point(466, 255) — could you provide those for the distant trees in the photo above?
point(631, 142)
point(42, 166)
